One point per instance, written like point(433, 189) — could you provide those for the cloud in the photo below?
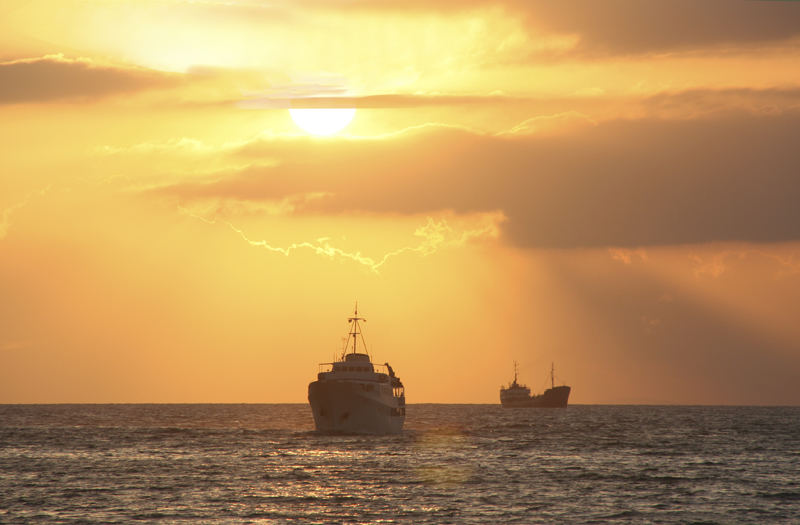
point(718, 264)
point(54, 77)
point(542, 29)
point(559, 121)
point(696, 102)
point(619, 183)
point(575, 109)
point(626, 27)
point(5, 217)
point(393, 100)
point(627, 256)
point(7, 212)
point(434, 235)
point(633, 27)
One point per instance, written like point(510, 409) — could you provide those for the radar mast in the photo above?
point(356, 330)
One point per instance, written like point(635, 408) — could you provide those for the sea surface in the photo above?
point(451, 464)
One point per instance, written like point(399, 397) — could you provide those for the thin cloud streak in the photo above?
point(435, 234)
point(687, 102)
point(9, 211)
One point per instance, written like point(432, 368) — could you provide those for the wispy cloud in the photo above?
point(434, 235)
point(717, 264)
point(7, 212)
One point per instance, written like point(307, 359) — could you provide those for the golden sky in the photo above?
point(610, 186)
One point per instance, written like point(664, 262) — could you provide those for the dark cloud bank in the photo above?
point(624, 27)
point(621, 183)
point(56, 78)
point(632, 26)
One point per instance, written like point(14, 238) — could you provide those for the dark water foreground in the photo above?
point(452, 464)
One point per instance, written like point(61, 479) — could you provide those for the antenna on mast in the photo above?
point(356, 331)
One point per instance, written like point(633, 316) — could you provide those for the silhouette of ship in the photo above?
point(517, 396)
point(354, 395)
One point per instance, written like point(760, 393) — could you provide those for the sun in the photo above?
point(322, 121)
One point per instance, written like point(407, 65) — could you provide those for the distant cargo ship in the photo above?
point(355, 396)
point(518, 396)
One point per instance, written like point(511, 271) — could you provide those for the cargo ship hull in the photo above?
point(556, 397)
point(516, 395)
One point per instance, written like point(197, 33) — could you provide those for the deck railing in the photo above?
point(379, 369)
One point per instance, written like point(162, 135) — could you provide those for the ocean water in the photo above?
point(452, 464)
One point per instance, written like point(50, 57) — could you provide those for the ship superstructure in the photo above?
point(516, 395)
point(353, 395)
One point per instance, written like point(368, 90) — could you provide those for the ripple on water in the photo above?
point(453, 463)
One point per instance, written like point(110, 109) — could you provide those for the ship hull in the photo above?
point(556, 397)
point(346, 407)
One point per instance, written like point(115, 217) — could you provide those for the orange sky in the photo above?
point(610, 186)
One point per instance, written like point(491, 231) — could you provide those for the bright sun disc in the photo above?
point(322, 121)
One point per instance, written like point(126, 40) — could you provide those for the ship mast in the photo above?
point(552, 371)
point(516, 368)
point(356, 331)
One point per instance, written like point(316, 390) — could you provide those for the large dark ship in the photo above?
point(356, 396)
point(516, 395)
